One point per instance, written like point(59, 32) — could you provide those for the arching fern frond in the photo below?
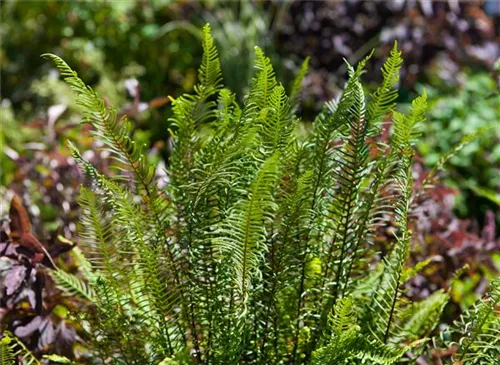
point(419, 319)
point(348, 344)
point(73, 285)
point(114, 132)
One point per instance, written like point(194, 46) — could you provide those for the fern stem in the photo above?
point(299, 306)
point(364, 224)
point(393, 306)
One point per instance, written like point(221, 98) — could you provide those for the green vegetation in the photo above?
point(473, 105)
point(260, 247)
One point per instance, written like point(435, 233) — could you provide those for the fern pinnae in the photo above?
point(372, 206)
point(406, 128)
point(263, 83)
point(210, 73)
point(297, 86)
point(246, 240)
point(383, 98)
point(13, 349)
point(7, 356)
point(483, 333)
point(112, 131)
point(127, 214)
point(418, 319)
point(73, 285)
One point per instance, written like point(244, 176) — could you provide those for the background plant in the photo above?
point(472, 104)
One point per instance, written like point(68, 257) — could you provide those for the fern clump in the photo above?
point(259, 249)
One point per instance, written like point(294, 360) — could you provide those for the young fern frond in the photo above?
point(297, 86)
point(383, 99)
point(210, 74)
point(263, 84)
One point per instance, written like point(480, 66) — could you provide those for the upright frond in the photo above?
point(210, 74)
point(384, 97)
point(263, 84)
point(242, 235)
point(408, 128)
point(297, 86)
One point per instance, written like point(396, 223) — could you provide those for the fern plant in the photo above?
point(259, 249)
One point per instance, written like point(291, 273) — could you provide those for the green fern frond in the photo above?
point(73, 285)
point(339, 350)
point(14, 350)
point(351, 345)
point(109, 129)
point(344, 316)
point(277, 124)
point(480, 330)
point(6, 351)
point(384, 97)
point(242, 235)
point(263, 84)
point(408, 128)
point(419, 319)
point(297, 86)
point(210, 74)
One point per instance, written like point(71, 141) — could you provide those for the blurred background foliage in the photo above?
point(137, 53)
